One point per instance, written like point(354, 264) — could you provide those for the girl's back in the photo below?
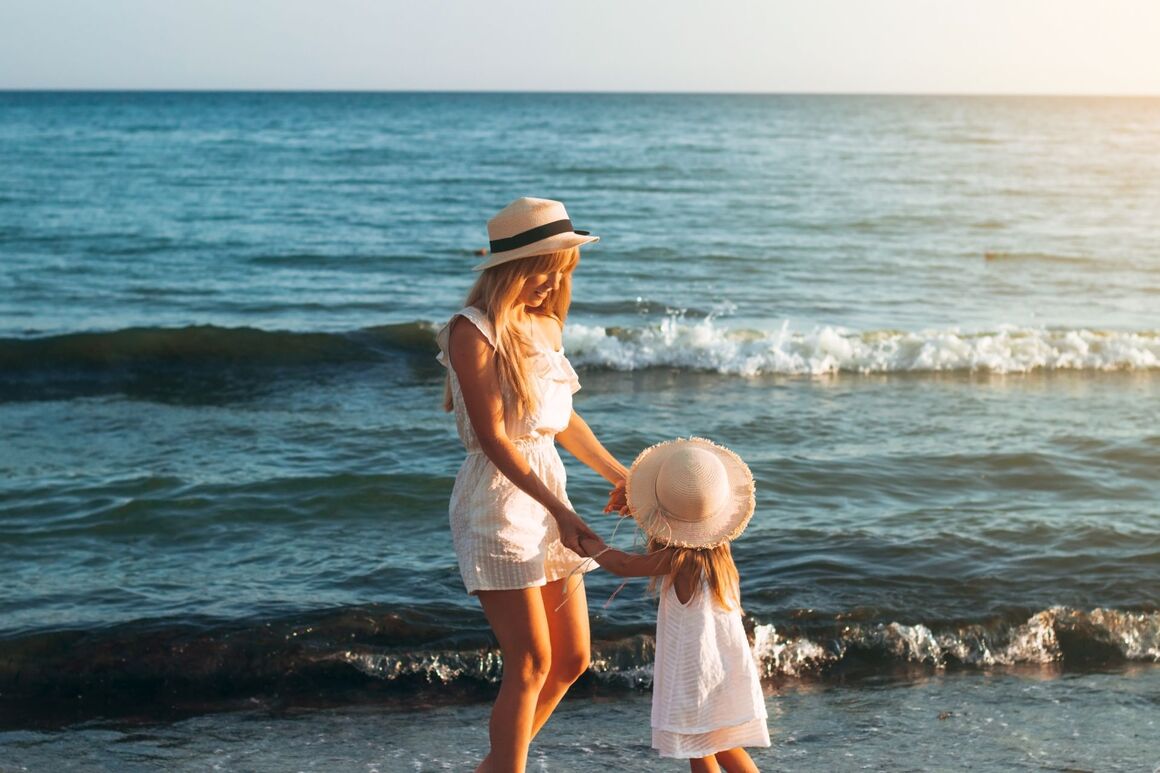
point(706, 691)
point(691, 498)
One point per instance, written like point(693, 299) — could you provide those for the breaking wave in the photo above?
point(353, 653)
point(706, 345)
point(675, 342)
point(1056, 635)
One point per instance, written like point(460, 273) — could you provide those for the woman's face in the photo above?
point(537, 286)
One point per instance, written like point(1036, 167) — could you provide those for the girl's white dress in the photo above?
point(706, 689)
point(504, 539)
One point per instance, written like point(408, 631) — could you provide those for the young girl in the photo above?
point(691, 498)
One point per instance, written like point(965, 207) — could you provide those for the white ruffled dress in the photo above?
point(504, 539)
point(706, 689)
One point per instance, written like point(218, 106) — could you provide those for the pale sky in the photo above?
point(845, 46)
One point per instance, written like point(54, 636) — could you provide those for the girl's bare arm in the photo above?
point(618, 562)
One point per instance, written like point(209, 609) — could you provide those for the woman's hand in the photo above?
point(592, 546)
point(572, 530)
point(618, 500)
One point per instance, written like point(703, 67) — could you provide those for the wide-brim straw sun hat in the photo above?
point(691, 493)
point(529, 227)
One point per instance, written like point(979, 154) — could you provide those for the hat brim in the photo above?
point(711, 532)
point(555, 243)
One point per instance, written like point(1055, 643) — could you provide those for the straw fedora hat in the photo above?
point(690, 493)
point(528, 227)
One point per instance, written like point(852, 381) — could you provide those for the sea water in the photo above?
point(929, 324)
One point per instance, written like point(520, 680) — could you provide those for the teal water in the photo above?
point(927, 323)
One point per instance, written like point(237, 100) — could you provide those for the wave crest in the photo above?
point(362, 651)
point(676, 342)
point(1056, 635)
point(706, 345)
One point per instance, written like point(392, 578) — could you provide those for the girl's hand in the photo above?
point(618, 500)
point(572, 530)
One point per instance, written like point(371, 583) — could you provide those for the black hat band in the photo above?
point(534, 235)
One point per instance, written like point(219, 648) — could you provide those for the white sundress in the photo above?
point(504, 539)
point(706, 690)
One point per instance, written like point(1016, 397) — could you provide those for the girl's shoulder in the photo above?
point(685, 580)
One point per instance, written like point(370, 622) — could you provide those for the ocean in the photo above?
point(931, 325)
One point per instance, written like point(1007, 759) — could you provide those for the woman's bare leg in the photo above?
point(704, 765)
point(518, 619)
point(570, 640)
point(737, 761)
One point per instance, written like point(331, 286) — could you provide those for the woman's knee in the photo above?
point(570, 665)
point(530, 667)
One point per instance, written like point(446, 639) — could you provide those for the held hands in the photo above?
point(591, 546)
point(618, 500)
point(577, 536)
point(573, 530)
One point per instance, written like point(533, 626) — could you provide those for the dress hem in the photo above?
point(750, 734)
point(537, 583)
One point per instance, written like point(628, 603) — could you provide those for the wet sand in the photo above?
point(1026, 720)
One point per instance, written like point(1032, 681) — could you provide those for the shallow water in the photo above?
point(1034, 720)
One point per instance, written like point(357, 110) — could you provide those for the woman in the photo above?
point(517, 538)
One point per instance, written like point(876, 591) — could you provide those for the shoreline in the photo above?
point(953, 721)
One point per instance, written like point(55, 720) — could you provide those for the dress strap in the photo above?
point(480, 319)
point(477, 317)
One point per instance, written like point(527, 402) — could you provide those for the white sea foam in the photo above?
point(1057, 634)
point(709, 345)
point(788, 656)
point(1135, 636)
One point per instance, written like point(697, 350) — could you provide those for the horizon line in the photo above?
point(577, 92)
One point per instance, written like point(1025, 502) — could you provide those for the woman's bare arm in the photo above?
point(473, 359)
point(582, 443)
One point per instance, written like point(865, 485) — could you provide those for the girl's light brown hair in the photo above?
point(713, 565)
point(495, 292)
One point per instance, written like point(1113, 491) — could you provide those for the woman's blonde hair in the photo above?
point(713, 565)
point(495, 293)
